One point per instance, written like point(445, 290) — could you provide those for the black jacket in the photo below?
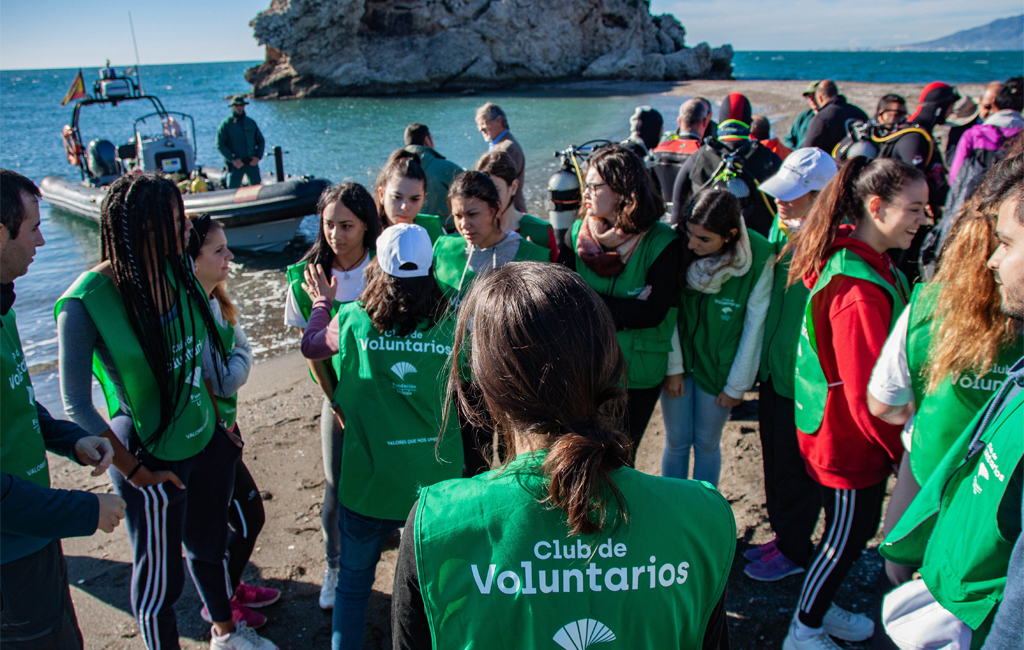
point(828, 127)
point(759, 162)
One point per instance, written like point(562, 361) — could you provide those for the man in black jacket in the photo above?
point(828, 127)
point(754, 162)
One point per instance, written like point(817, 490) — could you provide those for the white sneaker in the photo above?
point(817, 641)
point(846, 625)
point(327, 591)
point(243, 638)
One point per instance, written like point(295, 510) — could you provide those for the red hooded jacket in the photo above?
point(853, 449)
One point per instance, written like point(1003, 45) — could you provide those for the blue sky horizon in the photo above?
point(223, 34)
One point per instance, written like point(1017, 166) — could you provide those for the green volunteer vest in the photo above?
point(450, 260)
point(227, 407)
point(711, 324)
point(498, 569)
point(536, 231)
point(193, 425)
point(961, 527)
point(22, 450)
point(434, 225)
point(782, 329)
point(940, 417)
point(392, 391)
point(646, 350)
point(811, 386)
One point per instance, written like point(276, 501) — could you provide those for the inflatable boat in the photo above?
point(256, 217)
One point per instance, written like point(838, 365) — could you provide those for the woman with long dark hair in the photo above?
point(565, 542)
point(726, 285)
point(389, 350)
point(141, 321)
point(401, 189)
point(344, 245)
point(631, 259)
point(501, 170)
point(856, 294)
point(208, 248)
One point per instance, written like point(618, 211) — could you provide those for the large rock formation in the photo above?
point(348, 47)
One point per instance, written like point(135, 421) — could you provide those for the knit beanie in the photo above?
point(646, 123)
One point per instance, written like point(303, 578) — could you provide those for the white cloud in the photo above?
point(827, 24)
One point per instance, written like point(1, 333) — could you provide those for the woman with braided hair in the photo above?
point(631, 259)
point(140, 321)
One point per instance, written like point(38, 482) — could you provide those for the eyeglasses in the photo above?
point(592, 187)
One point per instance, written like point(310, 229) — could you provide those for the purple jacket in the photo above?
point(981, 136)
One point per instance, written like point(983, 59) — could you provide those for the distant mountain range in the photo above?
point(998, 35)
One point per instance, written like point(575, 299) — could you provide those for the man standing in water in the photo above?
point(241, 144)
point(493, 125)
point(37, 607)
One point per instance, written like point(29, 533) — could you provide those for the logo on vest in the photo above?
point(989, 382)
point(401, 369)
point(582, 634)
point(991, 459)
point(726, 306)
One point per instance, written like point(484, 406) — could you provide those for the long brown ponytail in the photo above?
point(843, 199)
point(544, 358)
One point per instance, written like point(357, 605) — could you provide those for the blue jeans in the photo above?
point(361, 541)
point(693, 420)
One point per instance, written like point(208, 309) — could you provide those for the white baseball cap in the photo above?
point(405, 245)
point(805, 170)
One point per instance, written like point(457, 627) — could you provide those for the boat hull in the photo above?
point(260, 217)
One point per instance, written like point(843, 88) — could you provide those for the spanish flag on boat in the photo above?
point(77, 89)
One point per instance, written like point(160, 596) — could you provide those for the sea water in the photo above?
point(348, 139)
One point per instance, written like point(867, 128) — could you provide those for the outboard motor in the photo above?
point(101, 161)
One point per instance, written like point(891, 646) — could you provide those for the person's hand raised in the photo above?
point(316, 284)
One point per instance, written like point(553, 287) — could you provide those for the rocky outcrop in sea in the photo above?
point(318, 48)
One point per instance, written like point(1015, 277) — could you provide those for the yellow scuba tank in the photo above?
point(198, 183)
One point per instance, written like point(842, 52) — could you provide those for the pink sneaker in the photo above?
point(756, 553)
point(254, 597)
point(239, 613)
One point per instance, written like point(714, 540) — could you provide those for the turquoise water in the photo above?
point(348, 139)
point(880, 67)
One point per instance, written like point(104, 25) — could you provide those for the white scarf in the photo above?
point(708, 274)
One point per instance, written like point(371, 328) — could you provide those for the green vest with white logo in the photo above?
point(450, 261)
point(940, 417)
point(536, 231)
point(193, 424)
point(961, 527)
point(498, 569)
point(711, 324)
point(392, 390)
point(811, 385)
point(782, 329)
point(22, 450)
point(646, 350)
point(227, 407)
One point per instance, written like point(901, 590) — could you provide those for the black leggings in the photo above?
point(640, 403)
point(245, 521)
point(792, 498)
point(851, 520)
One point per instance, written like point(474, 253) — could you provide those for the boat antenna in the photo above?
point(138, 65)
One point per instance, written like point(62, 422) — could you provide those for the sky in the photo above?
point(73, 33)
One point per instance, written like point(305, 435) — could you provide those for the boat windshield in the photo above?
point(160, 127)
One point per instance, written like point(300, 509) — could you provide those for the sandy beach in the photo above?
point(279, 411)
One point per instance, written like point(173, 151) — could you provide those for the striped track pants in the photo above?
point(851, 520)
point(159, 519)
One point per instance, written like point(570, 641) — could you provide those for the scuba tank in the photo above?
point(859, 141)
point(566, 195)
point(198, 185)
